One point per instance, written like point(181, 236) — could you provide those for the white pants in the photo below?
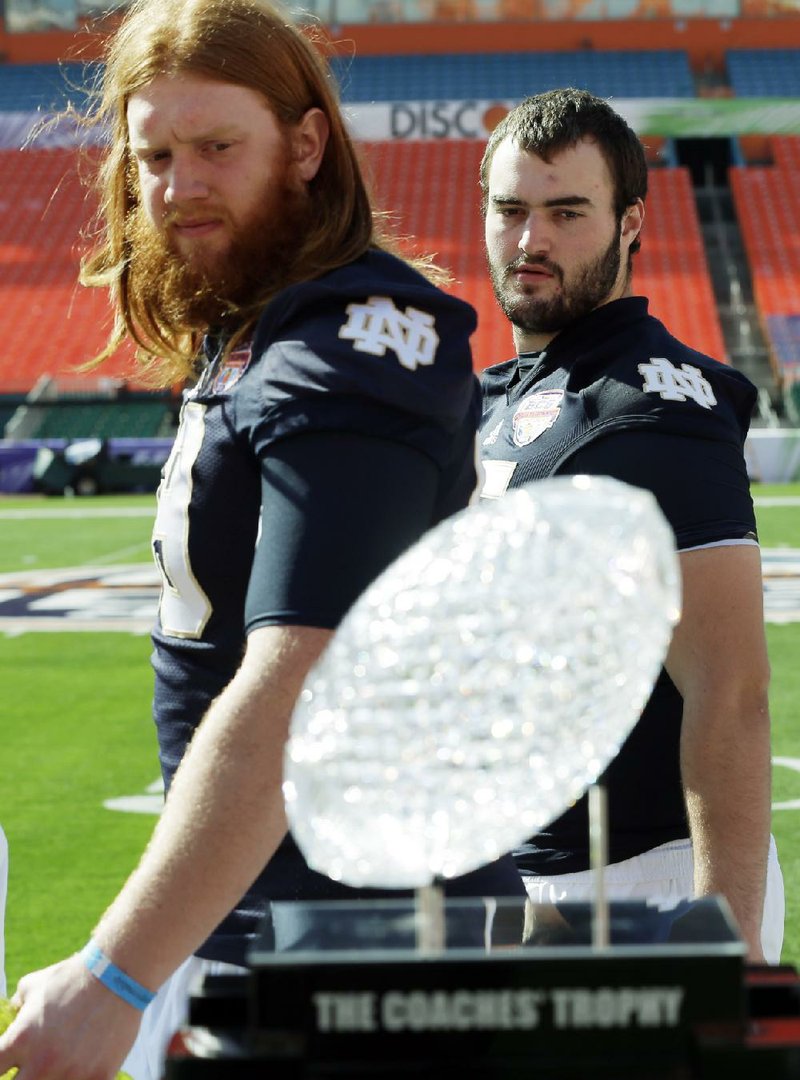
point(3, 889)
point(663, 873)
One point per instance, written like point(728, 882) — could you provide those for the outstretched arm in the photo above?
point(224, 816)
point(223, 820)
point(718, 661)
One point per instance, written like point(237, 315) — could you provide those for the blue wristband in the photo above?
point(116, 980)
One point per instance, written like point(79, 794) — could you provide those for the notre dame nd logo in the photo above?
point(378, 325)
point(676, 384)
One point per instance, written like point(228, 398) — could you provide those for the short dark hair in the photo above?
point(559, 119)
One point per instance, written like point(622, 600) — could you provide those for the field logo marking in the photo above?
point(122, 598)
point(125, 597)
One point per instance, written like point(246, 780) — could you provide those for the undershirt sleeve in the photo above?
point(336, 510)
point(701, 485)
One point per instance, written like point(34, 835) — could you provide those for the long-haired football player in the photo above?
point(329, 421)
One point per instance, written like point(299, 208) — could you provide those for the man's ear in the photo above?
point(632, 221)
point(309, 139)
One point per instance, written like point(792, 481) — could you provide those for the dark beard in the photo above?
point(589, 291)
point(191, 296)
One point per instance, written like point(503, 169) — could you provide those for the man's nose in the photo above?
point(184, 181)
point(534, 239)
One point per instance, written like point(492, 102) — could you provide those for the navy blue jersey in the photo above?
point(368, 360)
point(615, 394)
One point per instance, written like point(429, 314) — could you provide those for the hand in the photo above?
point(68, 1027)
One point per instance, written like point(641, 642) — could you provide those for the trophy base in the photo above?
point(517, 991)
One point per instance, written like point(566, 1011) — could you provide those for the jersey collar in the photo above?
point(581, 336)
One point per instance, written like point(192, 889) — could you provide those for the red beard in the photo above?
point(191, 296)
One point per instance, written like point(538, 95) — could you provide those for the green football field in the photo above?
point(76, 727)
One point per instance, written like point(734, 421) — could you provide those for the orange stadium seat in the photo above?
point(432, 190)
point(50, 323)
point(785, 150)
point(433, 187)
point(671, 267)
point(768, 207)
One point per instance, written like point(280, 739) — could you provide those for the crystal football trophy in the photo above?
point(481, 683)
point(473, 692)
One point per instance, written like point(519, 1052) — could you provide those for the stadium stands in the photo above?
point(50, 325)
point(769, 216)
point(42, 87)
point(767, 203)
point(432, 187)
point(671, 267)
point(784, 334)
point(512, 76)
point(785, 150)
point(764, 72)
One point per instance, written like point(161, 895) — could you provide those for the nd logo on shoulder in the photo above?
point(379, 325)
point(676, 384)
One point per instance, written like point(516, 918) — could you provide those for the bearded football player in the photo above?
point(329, 421)
point(599, 386)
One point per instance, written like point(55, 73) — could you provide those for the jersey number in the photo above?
point(184, 607)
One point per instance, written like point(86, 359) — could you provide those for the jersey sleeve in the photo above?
point(701, 485)
point(395, 364)
point(336, 509)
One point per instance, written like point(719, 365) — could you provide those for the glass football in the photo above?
point(481, 683)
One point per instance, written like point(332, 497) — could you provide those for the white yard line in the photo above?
point(123, 555)
point(84, 511)
point(78, 512)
